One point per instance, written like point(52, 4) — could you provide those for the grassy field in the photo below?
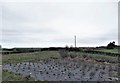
point(10, 76)
point(110, 50)
point(35, 56)
point(15, 58)
point(0, 73)
point(39, 82)
point(0, 59)
point(105, 58)
point(0, 68)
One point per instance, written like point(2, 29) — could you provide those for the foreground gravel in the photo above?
point(63, 70)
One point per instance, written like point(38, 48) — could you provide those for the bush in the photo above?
point(72, 55)
point(63, 53)
point(84, 56)
point(111, 45)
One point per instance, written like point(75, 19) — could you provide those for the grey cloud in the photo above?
point(55, 24)
point(98, 39)
point(10, 15)
point(6, 32)
point(63, 39)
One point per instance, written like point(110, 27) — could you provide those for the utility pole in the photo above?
point(75, 41)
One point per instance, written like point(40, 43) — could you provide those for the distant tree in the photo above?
point(111, 45)
point(14, 50)
point(66, 47)
point(113, 42)
point(71, 46)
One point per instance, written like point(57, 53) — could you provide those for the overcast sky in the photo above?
point(48, 24)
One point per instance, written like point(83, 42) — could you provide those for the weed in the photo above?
point(63, 53)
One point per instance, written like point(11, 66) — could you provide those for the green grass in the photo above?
point(0, 68)
point(0, 59)
point(6, 51)
point(105, 58)
point(0, 73)
point(15, 58)
point(35, 56)
point(10, 76)
point(110, 50)
point(38, 82)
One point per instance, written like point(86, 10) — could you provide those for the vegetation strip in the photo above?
point(35, 56)
point(10, 76)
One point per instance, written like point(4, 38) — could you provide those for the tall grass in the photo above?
point(101, 57)
point(10, 76)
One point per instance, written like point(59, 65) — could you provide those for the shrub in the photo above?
point(84, 56)
point(111, 45)
point(63, 53)
point(72, 55)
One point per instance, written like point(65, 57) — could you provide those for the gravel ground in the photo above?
point(63, 70)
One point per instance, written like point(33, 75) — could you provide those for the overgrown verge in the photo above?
point(97, 57)
point(10, 76)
